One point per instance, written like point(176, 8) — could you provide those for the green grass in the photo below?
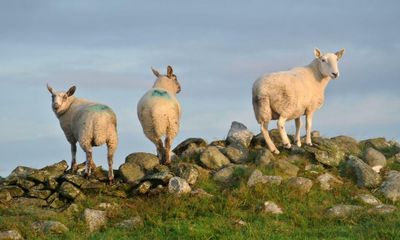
point(170, 217)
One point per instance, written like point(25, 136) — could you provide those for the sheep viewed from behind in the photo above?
point(89, 123)
point(159, 113)
point(290, 94)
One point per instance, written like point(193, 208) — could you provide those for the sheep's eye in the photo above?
point(53, 97)
point(323, 60)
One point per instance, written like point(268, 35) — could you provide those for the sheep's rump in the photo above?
point(281, 93)
point(159, 113)
point(94, 125)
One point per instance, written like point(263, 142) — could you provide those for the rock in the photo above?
point(178, 186)
point(382, 209)
point(284, 168)
point(258, 142)
point(132, 223)
point(375, 159)
point(200, 193)
point(368, 199)
point(49, 227)
point(271, 207)
point(157, 190)
point(5, 196)
point(236, 155)
point(71, 192)
point(343, 211)
point(39, 186)
point(240, 222)
point(95, 219)
point(42, 194)
point(159, 178)
point(239, 135)
point(71, 209)
point(190, 143)
point(108, 206)
point(52, 184)
point(146, 161)
point(326, 152)
point(54, 201)
point(20, 172)
point(391, 186)
point(144, 187)
point(130, 172)
point(327, 181)
point(10, 235)
point(377, 143)
point(187, 171)
point(75, 179)
point(397, 157)
point(315, 134)
point(347, 145)
point(258, 178)
point(366, 176)
point(300, 184)
point(49, 172)
point(264, 157)
point(25, 184)
point(224, 175)
point(28, 202)
point(14, 191)
point(219, 143)
point(314, 168)
point(212, 158)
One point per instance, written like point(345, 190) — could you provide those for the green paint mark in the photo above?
point(160, 93)
point(99, 108)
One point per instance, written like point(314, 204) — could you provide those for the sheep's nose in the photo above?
point(335, 75)
point(56, 105)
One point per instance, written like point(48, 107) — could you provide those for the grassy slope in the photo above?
point(170, 217)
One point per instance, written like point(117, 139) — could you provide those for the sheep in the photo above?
point(89, 123)
point(159, 113)
point(290, 94)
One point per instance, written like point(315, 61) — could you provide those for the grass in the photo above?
point(169, 217)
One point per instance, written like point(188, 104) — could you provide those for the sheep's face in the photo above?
point(168, 82)
point(328, 63)
point(61, 101)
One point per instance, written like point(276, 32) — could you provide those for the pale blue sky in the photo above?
point(217, 48)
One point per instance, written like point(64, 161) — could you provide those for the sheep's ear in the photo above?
point(155, 72)
point(50, 89)
point(339, 54)
point(71, 91)
point(169, 71)
point(317, 53)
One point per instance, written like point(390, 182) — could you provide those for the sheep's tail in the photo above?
point(262, 109)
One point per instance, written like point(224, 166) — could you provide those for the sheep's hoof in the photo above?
point(111, 181)
point(287, 146)
point(298, 143)
point(309, 144)
point(276, 151)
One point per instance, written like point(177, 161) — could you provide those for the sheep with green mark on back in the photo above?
point(159, 113)
point(89, 123)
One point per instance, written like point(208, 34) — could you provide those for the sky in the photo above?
point(217, 49)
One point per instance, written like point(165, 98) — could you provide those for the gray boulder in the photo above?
point(146, 161)
point(284, 168)
point(68, 190)
point(375, 159)
point(365, 175)
point(382, 209)
point(131, 172)
point(272, 208)
point(187, 171)
point(264, 157)
point(212, 158)
point(159, 178)
point(236, 154)
point(144, 187)
point(326, 152)
point(368, 198)
point(189, 144)
point(327, 181)
point(258, 178)
point(347, 145)
point(49, 172)
point(10, 235)
point(5, 196)
point(178, 186)
point(95, 219)
point(239, 135)
point(343, 211)
point(300, 184)
point(42, 194)
point(131, 223)
point(391, 186)
point(49, 227)
point(14, 191)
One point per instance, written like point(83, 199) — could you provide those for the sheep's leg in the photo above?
point(167, 155)
point(282, 132)
point(160, 149)
point(297, 135)
point(270, 144)
point(74, 166)
point(110, 158)
point(89, 162)
point(308, 128)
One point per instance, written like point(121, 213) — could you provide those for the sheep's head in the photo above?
point(168, 82)
point(328, 63)
point(61, 101)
